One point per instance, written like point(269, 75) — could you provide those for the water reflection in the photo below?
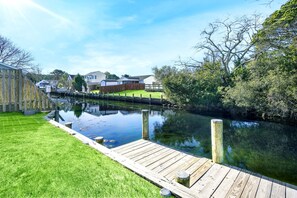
point(263, 147)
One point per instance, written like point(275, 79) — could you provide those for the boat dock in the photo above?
point(207, 179)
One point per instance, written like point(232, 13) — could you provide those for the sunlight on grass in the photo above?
point(40, 160)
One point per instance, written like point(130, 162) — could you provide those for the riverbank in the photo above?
point(39, 160)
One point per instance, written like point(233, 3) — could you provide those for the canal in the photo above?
point(262, 147)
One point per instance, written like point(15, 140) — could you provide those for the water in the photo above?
point(262, 147)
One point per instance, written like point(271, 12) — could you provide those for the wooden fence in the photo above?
point(153, 87)
point(119, 88)
point(18, 93)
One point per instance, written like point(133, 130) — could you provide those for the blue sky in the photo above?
point(119, 36)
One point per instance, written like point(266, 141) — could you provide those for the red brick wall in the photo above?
point(118, 88)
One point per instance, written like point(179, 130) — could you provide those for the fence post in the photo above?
point(145, 124)
point(150, 99)
point(3, 90)
point(20, 89)
point(217, 140)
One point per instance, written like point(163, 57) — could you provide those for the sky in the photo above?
point(118, 36)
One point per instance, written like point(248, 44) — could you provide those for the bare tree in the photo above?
point(230, 42)
point(14, 56)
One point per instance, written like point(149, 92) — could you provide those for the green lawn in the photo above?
point(145, 94)
point(40, 160)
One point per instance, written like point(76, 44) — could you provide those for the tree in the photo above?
point(111, 76)
point(270, 87)
point(12, 55)
point(79, 82)
point(230, 43)
point(57, 74)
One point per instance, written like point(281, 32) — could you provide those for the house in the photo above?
point(42, 84)
point(7, 67)
point(93, 79)
point(128, 80)
point(108, 82)
point(147, 79)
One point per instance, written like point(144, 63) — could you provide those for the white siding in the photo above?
point(150, 80)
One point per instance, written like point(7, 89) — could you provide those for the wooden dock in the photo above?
point(159, 164)
point(207, 179)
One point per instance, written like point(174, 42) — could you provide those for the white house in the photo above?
point(147, 79)
point(128, 80)
point(108, 82)
point(93, 79)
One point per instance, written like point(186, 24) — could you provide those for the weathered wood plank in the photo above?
point(3, 90)
point(226, 184)
point(9, 90)
point(173, 167)
point(251, 187)
point(140, 151)
point(197, 174)
point(15, 90)
point(264, 189)
point(144, 156)
point(128, 150)
point(168, 163)
point(211, 180)
point(291, 191)
point(239, 185)
point(155, 157)
point(163, 160)
point(127, 145)
point(183, 166)
point(278, 190)
point(20, 99)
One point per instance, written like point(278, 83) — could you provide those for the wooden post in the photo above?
point(21, 84)
point(3, 90)
point(145, 124)
point(68, 124)
point(9, 90)
point(217, 140)
point(140, 97)
point(183, 178)
point(99, 139)
point(150, 99)
point(57, 115)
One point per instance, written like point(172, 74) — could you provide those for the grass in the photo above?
point(145, 94)
point(40, 160)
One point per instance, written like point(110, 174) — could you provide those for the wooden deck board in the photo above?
point(291, 192)
point(238, 185)
point(278, 190)
point(211, 180)
point(264, 189)
point(226, 184)
point(251, 187)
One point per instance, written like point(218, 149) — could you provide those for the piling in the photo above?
point(68, 124)
point(145, 124)
point(99, 139)
point(217, 140)
point(183, 178)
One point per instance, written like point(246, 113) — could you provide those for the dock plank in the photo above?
point(140, 151)
point(264, 189)
point(163, 160)
point(251, 187)
point(291, 192)
point(127, 145)
point(278, 190)
point(166, 164)
point(148, 153)
point(226, 184)
point(206, 186)
point(146, 160)
point(138, 146)
point(156, 157)
point(238, 186)
point(197, 174)
point(173, 167)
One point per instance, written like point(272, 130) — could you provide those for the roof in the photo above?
point(141, 77)
point(5, 66)
point(128, 79)
point(110, 80)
